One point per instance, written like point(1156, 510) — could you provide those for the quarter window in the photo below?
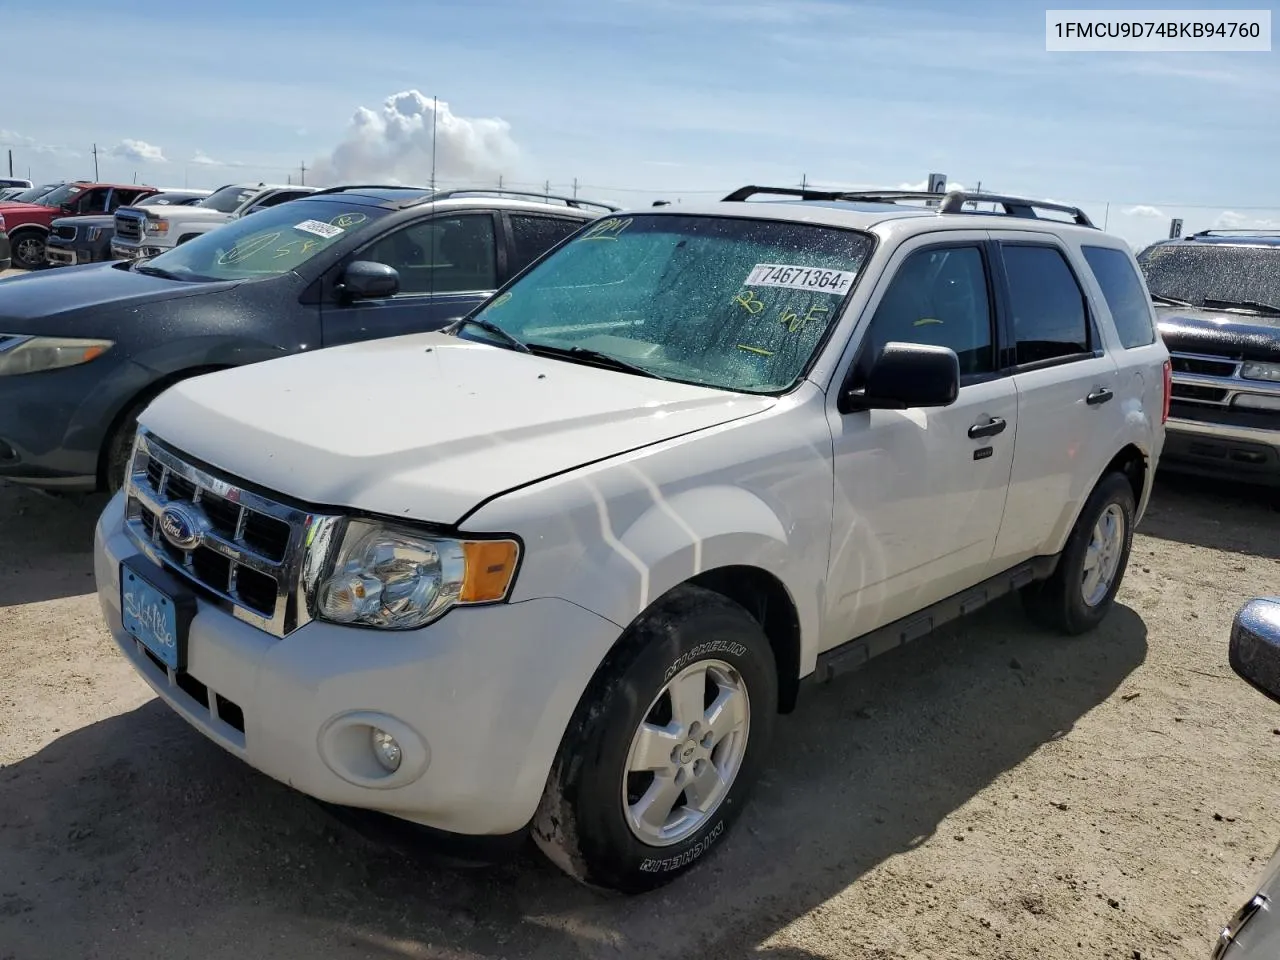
point(444, 255)
point(1050, 320)
point(938, 297)
point(1121, 288)
point(533, 236)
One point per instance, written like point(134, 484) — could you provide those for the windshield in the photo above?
point(1196, 272)
point(32, 195)
point(61, 195)
point(724, 302)
point(267, 244)
point(228, 199)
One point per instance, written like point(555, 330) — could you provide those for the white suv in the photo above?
point(561, 566)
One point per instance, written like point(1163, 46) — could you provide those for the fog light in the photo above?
point(386, 749)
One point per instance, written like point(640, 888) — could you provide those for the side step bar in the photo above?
point(855, 653)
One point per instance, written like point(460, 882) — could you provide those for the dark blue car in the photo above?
point(84, 349)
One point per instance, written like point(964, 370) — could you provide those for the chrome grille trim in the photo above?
point(1229, 381)
point(129, 226)
point(147, 499)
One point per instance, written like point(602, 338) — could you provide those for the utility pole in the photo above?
point(95, 163)
point(804, 181)
point(499, 181)
point(303, 179)
point(11, 163)
point(575, 187)
point(435, 103)
point(546, 189)
point(289, 180)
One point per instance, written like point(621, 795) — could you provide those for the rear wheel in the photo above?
point(1083, 588)
point(27, 249)
point(663, 750)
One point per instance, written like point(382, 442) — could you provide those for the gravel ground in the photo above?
point(990, 792)
point(10, 273)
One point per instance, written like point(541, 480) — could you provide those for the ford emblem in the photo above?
point(182, 525)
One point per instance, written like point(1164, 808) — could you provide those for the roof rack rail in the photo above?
point(343, 187)
point(1247, 231)
point(951, 202)
point(531, 194)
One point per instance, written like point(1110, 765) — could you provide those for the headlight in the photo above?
point(34, 354)
point(157, 228)
point(398, 579)
point(1261, 371)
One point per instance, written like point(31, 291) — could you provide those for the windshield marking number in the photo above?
point(749, 302)
point(609, 229)
point(836, 282)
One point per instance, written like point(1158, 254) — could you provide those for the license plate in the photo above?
point(157, 611)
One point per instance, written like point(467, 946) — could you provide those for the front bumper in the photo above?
point(1214, 448)
point(62, 256)
point(133, 250)
point(481, 699)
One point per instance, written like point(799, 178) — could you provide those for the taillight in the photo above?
point(1168, 390)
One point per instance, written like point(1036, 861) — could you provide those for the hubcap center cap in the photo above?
point(687, 751)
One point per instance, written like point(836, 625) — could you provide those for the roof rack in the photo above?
point(529, 194)
point(1231, 231)
point(951, 202)
point(342, 188)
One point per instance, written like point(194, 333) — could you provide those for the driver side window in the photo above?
point(443, 255)
point(937, 297)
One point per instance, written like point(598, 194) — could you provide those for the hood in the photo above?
point(425, 426)
point(47, 301)
point(177, 210)
point(103, 220)
point(1239, 336)
point(10, 209)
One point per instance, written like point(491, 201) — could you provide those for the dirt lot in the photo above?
point(992, 792)
point(10, 273)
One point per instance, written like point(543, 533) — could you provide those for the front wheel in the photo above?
point(27, 249)
point(663, 750)
point(1083, 588)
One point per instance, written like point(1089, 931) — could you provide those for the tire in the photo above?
point(27, 249)
point(586, 823)
point(119, 445)
point(1071, 601)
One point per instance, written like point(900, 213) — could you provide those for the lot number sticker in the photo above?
point(326, 230)
point(836, 282)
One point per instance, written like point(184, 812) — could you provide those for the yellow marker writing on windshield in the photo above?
point(749, 302)
point(763, 353)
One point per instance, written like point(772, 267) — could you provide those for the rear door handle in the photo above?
point(989, 429)
point(1098, 396)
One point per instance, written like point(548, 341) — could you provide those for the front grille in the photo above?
point(1187, 391)
point(65, 231)
point(249, 550)
point(129, 226)
point(1205, 366)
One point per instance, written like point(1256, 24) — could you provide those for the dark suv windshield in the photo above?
point(1196, 272)
point(267, 244)
point(725, 302)
point(228, 199)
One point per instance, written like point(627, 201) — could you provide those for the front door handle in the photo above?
point(989, 429)
point(1101, 395)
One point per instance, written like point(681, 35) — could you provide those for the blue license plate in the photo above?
point(151, 615)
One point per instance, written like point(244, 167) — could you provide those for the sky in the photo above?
point(637, 100)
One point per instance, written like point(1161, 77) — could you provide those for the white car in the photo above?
point(562, 566)
point(143, 232)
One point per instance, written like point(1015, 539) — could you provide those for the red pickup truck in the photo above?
point(28, 224)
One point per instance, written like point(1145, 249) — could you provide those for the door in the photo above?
point(447, 264)
point(1066, 385)
point(919, 494)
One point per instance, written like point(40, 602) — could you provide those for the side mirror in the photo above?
point(1254, 650)
point(907, 375)
point(367, 280)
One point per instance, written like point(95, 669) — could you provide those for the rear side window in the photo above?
point(1122, 290)
point(1049, 316)
point(533, 236)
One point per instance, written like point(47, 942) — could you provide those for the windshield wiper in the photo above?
point(1171, 301)
point(1255, 305)
point(594, 356)
point(488, 326)
point(155, 272)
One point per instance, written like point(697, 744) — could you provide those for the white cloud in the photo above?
point(202, 159)
point(138, 151)
point(1145, 210)
point(1230, 220)
point(394, 144)
point(924, 185)
point(11, 138)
